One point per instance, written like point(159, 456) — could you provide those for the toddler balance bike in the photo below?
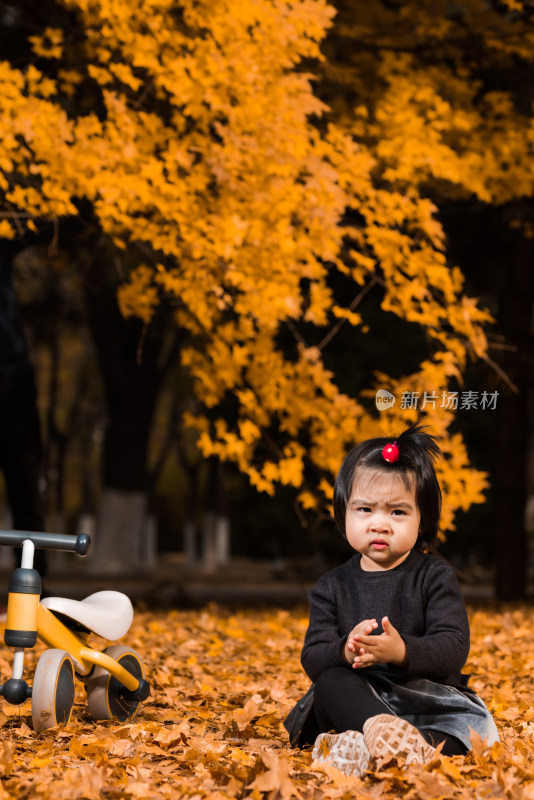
point(114, 679)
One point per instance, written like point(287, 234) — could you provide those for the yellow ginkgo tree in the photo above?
point(195, 134)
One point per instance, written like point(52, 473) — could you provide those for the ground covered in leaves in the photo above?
point(222, 683)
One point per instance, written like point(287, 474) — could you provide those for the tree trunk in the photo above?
point(511, 550)
point(216, 521)
point(132, 381)
point(515, 319)
point(121, 529)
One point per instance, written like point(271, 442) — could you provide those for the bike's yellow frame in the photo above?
point(53, 633)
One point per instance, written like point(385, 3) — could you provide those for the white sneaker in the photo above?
point(386, 736)
point(347, 751)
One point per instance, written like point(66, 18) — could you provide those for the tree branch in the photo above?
point(359, 297)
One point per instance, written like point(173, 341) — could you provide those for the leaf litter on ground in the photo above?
point(222, 683)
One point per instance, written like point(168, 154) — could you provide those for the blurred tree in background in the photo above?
point(258, 188)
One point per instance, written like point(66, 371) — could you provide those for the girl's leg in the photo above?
point(451, 747)
point(343, 701)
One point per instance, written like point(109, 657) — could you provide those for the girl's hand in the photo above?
point(365, 627)
point(387, 648)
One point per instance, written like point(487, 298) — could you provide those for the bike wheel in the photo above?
point(107, 698)
point(53, 690)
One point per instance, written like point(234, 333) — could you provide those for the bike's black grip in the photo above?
point(48, 541)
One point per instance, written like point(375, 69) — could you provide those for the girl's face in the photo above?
point(382, 519)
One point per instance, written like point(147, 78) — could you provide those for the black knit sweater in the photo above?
point(423, 601)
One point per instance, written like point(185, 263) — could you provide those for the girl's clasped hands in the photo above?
point(362, 649)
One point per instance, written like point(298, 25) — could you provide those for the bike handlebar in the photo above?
point(48, 541)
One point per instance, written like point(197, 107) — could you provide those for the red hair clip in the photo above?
point(391, 453)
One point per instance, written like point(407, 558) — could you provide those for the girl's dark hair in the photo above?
point(418, 450)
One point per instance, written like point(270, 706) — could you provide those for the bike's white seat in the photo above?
point(108, 614)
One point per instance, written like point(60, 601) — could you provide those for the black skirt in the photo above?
point(423, 703)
